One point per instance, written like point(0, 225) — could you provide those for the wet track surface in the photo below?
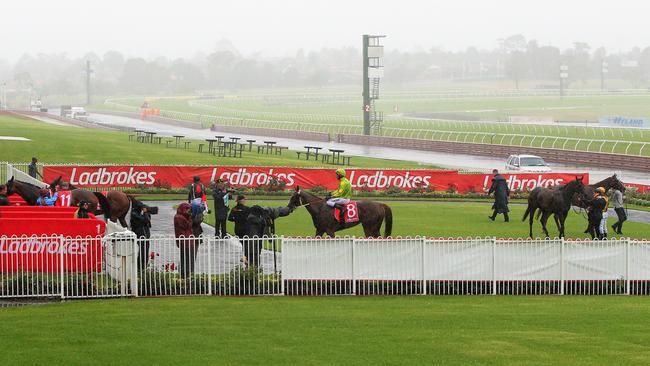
point(452, 161)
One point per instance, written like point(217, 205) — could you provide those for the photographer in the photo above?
point(260, 223)
point(221, 196)
point(238, 215)
point(141, 226)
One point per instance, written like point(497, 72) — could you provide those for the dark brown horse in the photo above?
point(371, 215)
point(30, 194)
point(120, 202)
point(555, 201)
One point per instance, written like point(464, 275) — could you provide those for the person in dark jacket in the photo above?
point(197, 196)
point(619, 208)
point(221, 196)
point(501, 193)
point(141, 226)
point(4, 200)
point(239, 215)
point(260, 223)
point(32, 169)
point(184, 240)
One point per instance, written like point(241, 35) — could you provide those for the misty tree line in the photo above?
point(226, 69)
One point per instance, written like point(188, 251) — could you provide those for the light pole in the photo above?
point(564, 74)
point(603, 71)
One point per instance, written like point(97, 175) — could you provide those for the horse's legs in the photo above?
point(319, 233)
point(331, 233)
point(530, 221)
point(544, 219)
point(371, 231)
point(558, 223)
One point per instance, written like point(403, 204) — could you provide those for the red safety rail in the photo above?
point(15, 199)
point(28, 215)
point(67, 227)
point(71, 210)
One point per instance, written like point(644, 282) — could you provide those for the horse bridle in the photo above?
point(308, 203)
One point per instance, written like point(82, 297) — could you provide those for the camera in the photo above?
point(153, 210)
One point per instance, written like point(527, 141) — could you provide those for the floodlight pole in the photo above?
point(564, 74)
point(366, 87)
point(373, 53)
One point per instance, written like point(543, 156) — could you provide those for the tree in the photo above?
point(515, 49)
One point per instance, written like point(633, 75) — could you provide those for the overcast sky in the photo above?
point(280, 27)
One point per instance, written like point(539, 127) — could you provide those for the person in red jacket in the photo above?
point(184, 239)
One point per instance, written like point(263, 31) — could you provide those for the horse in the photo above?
point(371, 215)
point(30, 193)
point(555, 201)
point(120, 202)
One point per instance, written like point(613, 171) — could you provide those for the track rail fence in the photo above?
point(629, 141)
point(120, 265)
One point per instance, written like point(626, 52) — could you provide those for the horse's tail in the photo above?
point(388, 228)
point(106, 206)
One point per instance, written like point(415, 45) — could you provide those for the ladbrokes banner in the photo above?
point(250, 176)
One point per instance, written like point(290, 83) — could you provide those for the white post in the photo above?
point(627, 266)
point(123, 277)
point(135, 285)
point(281, 276)
point(354, 281)
point(424, 261)
point(494, 270)
point(209, 242)
point(61, 269)
point(561, 266)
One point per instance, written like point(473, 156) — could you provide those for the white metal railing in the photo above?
point(120, 265)
point(65, 267)
point(604, 140)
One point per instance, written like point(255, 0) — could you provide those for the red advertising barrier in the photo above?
point(361, 179)
point(641, 188)
point(35, 252)
point(43, 254)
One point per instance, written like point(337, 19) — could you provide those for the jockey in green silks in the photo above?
point(340, 197)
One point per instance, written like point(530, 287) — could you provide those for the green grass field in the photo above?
point(56, 144)
point(477, 330)
point(444, 219)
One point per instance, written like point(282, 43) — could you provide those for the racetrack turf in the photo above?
point(477, 330)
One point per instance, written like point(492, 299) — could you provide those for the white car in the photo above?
point(527, 163)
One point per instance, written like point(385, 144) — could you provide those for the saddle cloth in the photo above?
point(66, 196)
point(351, 212)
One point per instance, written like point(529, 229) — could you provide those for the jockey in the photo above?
point(342, 195)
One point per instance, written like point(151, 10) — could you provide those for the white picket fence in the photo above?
point(119, 265)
